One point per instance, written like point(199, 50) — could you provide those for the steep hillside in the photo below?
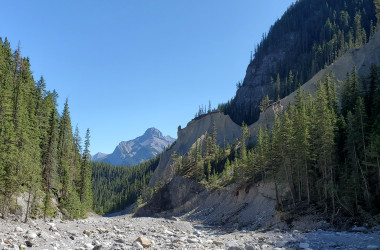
point(227, 132)
point(360, 58)
point(249, 201)
point(133, 152)
point(310, 35)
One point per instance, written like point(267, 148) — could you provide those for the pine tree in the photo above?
point(85, 190)
point(50, 163)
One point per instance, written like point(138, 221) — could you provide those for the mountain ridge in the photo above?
point(137, 150)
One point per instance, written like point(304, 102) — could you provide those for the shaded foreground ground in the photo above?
point(121, 232)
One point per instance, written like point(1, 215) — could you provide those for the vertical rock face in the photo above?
point(133, 152)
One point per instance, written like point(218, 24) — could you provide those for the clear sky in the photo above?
point(127, 65)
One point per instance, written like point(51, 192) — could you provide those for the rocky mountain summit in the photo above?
point(135, 151)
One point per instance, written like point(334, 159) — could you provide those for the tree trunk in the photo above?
point(307, 184)
point(27, 206)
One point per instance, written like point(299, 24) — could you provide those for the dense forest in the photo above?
point(116, 187)
point(326, 155)
point(312, 34)
point(40, 157)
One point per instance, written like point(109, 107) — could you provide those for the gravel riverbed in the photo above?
point(125, 232)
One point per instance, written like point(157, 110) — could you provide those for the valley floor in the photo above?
point(121, 232)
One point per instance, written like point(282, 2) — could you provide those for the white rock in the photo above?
point(31, 235)
point(19, 229)
point(208, 242)
point(88, 246)
point(137, 245)
point(193, 240)
point(232, 244)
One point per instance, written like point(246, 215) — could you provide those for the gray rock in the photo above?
point(98, 247)
point(373, 247)
point(233, 245)
point(14, 246)
point(73, 232)
point(118, 240)
point(358, 229)
point(218, 243)
point(88, 246)
point(304, 245)
point(137, 245)
point(281, 243)
point(193, 240)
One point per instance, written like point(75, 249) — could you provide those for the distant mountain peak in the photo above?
point(140, 149)
point(153, 132)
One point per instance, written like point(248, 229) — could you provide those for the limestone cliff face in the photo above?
point(133, 152)
point(227, 131)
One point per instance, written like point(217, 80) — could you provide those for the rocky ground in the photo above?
point(125, 232)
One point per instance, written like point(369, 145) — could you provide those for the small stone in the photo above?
point(31, 235)
point(28, 243)
point(98, 247)
point(14, 246)
point(372, 247)
point(88, 246)
point(73, 232)
point(53, 228)
point(95, 242)
point(18, 229)
point(304, 245)
point(8, 241)
point(232, 245)
point(72, 237)
point(218, 243)
point(120, 240)
point(138, 245)
point(145, 242)
point(86, 232)
point(281, 243)
point(22, 246)
point(193, 240)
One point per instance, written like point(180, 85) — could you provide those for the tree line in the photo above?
point(116, 187)
point(39, 154)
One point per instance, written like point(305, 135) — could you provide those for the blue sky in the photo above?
point(126, 65)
